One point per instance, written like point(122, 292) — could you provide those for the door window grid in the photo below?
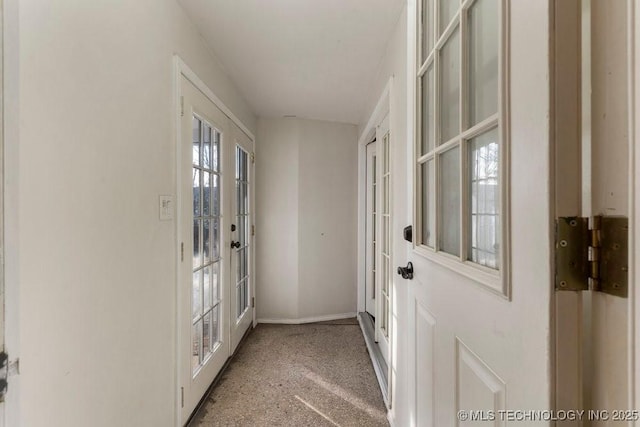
point(206, 242)
point(374, 224)
point(242, 220)
point(386, 238)
point(457, 89)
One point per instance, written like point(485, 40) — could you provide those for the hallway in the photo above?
point(313, 374)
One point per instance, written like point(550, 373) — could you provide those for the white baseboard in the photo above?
point(391, 418)
point(309, 319)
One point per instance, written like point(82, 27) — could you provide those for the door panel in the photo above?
point(485, 324)
point(242, 292)
point(202, 272)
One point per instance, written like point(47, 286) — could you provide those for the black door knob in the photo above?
point(406, 272)
point(235, 244)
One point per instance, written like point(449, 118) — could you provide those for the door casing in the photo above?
point(182, 70)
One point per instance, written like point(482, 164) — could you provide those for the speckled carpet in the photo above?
point(298, 375)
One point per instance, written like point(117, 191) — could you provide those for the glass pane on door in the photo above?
point(205, 243)
point(242, 228)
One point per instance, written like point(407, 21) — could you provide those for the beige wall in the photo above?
point(306, 222)
point(94, 263)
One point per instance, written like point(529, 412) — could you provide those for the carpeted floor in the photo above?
point(316, 374)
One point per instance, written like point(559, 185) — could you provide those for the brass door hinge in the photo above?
point(253, 157)
point(592, 254)
point(253, 302)
point(253, 230)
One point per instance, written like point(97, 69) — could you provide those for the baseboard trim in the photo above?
point(309, 319)
point(378, 362)
point(391, 418)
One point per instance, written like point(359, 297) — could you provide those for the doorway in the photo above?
point(375, 315)
point(214, 237)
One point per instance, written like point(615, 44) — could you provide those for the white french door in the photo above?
point(241, 298)
point(371, 230)
point(383, 248)
point(203, 262)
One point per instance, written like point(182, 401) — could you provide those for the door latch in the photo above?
point(406, 272)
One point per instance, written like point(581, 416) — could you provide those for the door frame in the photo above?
point(633, 49)
point(383, 107)
point(181, 69)
point(568, 342)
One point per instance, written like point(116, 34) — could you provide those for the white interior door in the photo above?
point(478, 306)
point(371, 230)
point(383, 249)
point(203, 264)
point(241, 313)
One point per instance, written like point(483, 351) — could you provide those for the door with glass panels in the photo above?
point(383, 244)
point(203, 304)
point(371, 231)
point(241, 289)
point(479, 302)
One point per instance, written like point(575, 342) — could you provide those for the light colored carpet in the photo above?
point(298, 375)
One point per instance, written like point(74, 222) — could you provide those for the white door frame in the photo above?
point(181, 69)
point(370, 233)
point(382, 110)
point(10, 37)
point(633, 16)
point(383, 107)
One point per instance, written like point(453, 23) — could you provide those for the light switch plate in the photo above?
point(166, 208)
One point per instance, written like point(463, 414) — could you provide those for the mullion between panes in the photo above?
point(437, 199)
point(463, 120)
point(201, 230)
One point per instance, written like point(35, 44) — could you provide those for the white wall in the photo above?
point(306, 222)
point(96, 148)
point(277, 219)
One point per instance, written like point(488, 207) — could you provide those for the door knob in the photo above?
point(235, 244)
point(406, 272)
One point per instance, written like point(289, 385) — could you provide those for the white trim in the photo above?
point(383, 107)
point(308, 319)
point(178, 220)
point(391, 417)
point(381, 110)
point(633, 66)
point(183, 69)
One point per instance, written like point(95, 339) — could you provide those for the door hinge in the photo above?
point(253, 157)
point(182, 106)
point(253, 302)
point(181, 251)
point(182, 397)
point(592, 254)
point(253, 230)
